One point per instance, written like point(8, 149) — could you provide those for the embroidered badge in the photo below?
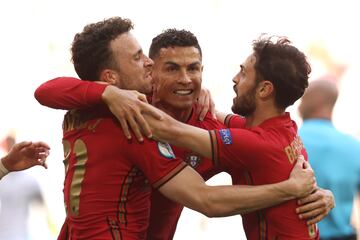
point(226, 136)
point(192, 159)
point(165, 150)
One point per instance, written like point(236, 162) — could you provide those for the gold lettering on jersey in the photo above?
point(81, 155)
point(293, 150)
point(92, 127)
point(77, 119)
point(67, 151)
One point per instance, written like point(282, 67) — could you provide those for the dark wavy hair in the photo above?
point(173, 38)
point(90, 49)
point(284, 65)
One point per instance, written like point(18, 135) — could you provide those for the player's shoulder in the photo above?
point(209, 122)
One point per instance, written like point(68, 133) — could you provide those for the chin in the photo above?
point(183, 105)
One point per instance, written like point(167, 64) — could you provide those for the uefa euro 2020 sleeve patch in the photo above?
point(226, 137)
point(166, 150)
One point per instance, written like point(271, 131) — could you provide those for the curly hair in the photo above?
point(173, 38)
point(90, 49)
point(284, 65)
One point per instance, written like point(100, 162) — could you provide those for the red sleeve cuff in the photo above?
point(94, 93)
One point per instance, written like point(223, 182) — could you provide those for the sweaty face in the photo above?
point(176, 76)
point(133, 67)
point(245, 88)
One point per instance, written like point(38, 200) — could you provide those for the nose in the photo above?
point(148, 62)
point(235, 80)
point(184, 78)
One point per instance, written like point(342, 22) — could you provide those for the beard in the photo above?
point(244, 105)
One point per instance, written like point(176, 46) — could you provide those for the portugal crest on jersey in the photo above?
point(166, 150)
point(192, 159)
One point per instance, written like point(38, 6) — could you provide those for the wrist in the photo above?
point(3, 169)
point(106, 94)
point(286, 189)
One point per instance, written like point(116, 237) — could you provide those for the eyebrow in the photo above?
point(171, 63)
point(191, 64)
point(140, 51)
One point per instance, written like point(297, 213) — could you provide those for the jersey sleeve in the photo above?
point(157, 161)
point(233, 147)
point(69, 93)
point(210, 123)
point(234, 121)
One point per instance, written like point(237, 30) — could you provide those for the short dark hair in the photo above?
point(173, 38)
point(284, 65)
point(90, 49)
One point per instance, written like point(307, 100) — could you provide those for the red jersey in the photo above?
point(70, 93)
point(164, 214)
point(262, 155)
point(108, 178)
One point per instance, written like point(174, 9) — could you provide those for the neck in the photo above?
point(321, 114)
point(263, 113)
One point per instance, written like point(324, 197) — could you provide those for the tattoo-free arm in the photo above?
point(190, 190)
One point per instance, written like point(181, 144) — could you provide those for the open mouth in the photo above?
point(183, 92)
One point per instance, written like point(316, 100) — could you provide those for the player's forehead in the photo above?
point(249, 62)
point(126, 45)
point(180, 55)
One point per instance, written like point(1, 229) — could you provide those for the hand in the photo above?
point(164, 128)
point(128, 106)
point(316, 206)
point(302, 178)
point(25, 155)
point(205, 103)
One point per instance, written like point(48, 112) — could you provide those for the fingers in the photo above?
point(135, 128)
point(42, 162)
point(316, 219)
point(309, 207)
point(142, 97)
point(22, 145)
point(152, 111)
point(315, 207)
point(203, 106)
point(310, 198)
point(41, 145)
point(312, 214)
point(144, 125)
point(125, 128)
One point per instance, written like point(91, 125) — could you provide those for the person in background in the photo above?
point(334, 156)
point(19, 190)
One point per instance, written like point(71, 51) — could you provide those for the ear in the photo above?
point(109, 76)
point(265, 89)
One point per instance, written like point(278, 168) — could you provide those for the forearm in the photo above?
point(186, 136)
point(69, 93)
point(231, 200)
point(190, 190)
